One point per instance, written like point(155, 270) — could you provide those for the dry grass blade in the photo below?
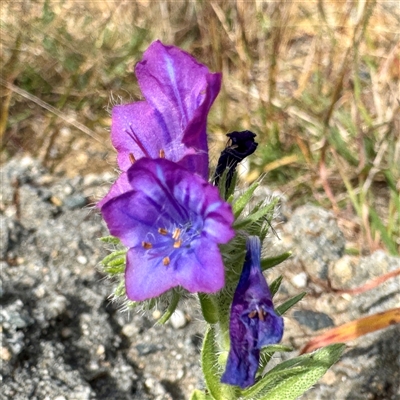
point(354, 329)
point(53, 110)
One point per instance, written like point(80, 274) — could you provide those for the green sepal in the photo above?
point(115, 254)
point(256, 216)
point(120, 289)
point(200, 395)
point(208, 308)
point(115, 266)
point(171, 308)
point(243, 200)
point(267, 263)
point(212, 370)
point(275, 285)
point(289, 303)
point(292, 378)
point(209, 364)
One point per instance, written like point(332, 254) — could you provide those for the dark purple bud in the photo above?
point(253, 321)
point(240, 145)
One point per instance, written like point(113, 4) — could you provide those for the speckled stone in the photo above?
point(317, 239)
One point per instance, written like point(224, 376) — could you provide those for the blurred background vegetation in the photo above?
point(317, 81)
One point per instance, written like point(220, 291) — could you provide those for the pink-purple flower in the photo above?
point(161, 207)
point(253, 320)
point(172, 222)
point(171, 121)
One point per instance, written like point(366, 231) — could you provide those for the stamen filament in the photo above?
point(176, 234)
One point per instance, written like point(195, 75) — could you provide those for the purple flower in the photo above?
point(172, 221)
point(253, 321)
point(171, 122)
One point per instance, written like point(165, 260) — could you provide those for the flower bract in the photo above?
point(172, 221)
point(172, 119)
point(253, 321)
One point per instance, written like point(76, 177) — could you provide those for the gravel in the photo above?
point(63, 339)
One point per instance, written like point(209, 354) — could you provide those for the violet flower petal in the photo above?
point(253, 321)
point(120, 186)
point(165, 218)
point(179, 92)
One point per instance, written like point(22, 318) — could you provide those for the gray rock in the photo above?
point(317, 239)
point(312, 319)
point(75, 201)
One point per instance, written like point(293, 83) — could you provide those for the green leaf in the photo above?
point(110, 240)
point(115, 266)
point(209, 364)
point(256, 216)
point(115, 254)
point(379, 226)
point(208, 308)
point(222, 184)
point(337, 142)
point(267, 352)
point(199, 395)
point(273, 348)
point(231, 189)
point(274, 286)
point(289, 303)
point(267, 263)
point(171, 308)
point(243, 200)
point(292, 378)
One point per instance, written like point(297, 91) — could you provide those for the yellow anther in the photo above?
point(177, 244)
point(162, 231)
point(252, 314)
point(261, 314)
point(161, 153)
point(147, 245)
point(132, 158)
point(166, 261)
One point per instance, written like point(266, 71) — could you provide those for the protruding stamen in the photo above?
point(162, 153)
point(147, 245)
point(176, 234)
point(261, 314)
point(166, 261)
point(177, 244)
point(162, 231)
point(132, 158)
point(252, 314)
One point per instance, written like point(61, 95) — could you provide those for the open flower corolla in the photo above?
point(172, 221)
point(171, 121)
